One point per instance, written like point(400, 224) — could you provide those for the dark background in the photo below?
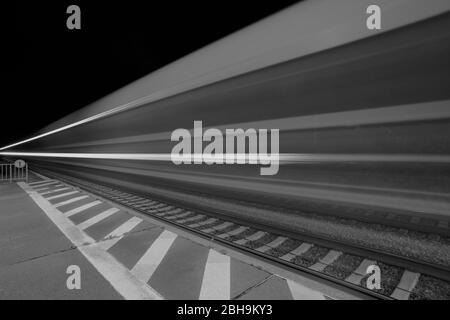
point(54, 71)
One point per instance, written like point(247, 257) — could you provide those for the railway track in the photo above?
point(330, 260)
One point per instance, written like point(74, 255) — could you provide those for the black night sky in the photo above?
point(56, 71)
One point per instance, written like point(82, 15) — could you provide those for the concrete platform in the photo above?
point(122, 255)
point(35, 255)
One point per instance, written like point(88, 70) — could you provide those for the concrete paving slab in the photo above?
point(180, 273)
point(244, 277)
point(275, 288)
point(35, 254)
point(46, 277)
point(24, 232)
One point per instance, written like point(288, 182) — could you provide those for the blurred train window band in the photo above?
point(233, 149)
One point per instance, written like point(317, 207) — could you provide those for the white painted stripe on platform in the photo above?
point(42, 182)
point(82, 208)
point(151, 259)
point(95, 219)
point(59, 204)
point(53, 191)
point(121, 279)
point(216, 277)
point(41, 188)
point(117, 234)
point(124, 228)
point(46, 185)
point(62, 195)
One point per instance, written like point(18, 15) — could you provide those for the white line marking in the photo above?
point(216, 278)
point(41, 188)
point(81, 208)
point(124, 228)
point(53, 191)
point(62, 195)
point(151, 259)
point(101, 216)
point(115, 273)
point(117, 234)
point(41, 183)
point(71, 201)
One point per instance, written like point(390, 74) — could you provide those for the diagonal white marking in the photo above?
point(53, 191)
point(101, 216)
point(81, 208)
point(62, 195)
point(38, 182)
point(42, 188)
point(41, 183)
point(117, 234)
point(59, 204)
point(216, 278)
point(151, 259)
point(122, 280)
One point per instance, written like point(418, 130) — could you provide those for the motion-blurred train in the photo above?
point(364, 113)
